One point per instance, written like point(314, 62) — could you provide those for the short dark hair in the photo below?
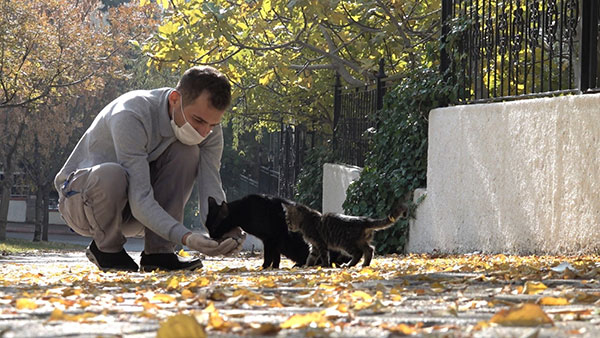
point(200, 78)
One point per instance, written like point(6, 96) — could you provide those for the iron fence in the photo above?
point(498, 50)
point(354, 113)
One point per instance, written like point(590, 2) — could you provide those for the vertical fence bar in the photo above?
point(526, 45)
point(380, 84)
point(510, 42)
point(589, 42)
point(562, 15)
point(445, 58)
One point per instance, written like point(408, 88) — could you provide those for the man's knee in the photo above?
point(111, 178)
point(185, 155)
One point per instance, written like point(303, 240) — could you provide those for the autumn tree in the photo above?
point(53, 53)
point(282, 55)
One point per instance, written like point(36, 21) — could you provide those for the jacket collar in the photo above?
point(164, 119)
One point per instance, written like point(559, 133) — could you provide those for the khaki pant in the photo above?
point(94, 202)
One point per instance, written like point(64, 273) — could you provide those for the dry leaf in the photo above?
point(523, 315)
point(172, 283)
point(400, 328)
point(183, 253)
point(26, 303)
point(553, 301)
point(180, 326)
point(533, 288)
point(163, 298)
point(264, 329)
point(319, 319)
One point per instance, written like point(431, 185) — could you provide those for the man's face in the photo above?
point(200, 113)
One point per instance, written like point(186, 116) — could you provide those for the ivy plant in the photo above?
point(397, 162)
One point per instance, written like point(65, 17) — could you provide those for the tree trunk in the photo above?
point(37, 233)
point(46, 213)
point(4, 201)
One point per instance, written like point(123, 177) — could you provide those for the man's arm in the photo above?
point(130, 140)
point(209, 176)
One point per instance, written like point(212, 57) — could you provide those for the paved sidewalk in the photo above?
point(63, 295)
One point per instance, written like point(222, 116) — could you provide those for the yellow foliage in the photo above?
point(318, 319)
point(180, 326)
point(533, 288)
point(523, 315)
point(26, 303)
point(553, 301)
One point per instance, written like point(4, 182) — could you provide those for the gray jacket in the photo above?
point(134, 130)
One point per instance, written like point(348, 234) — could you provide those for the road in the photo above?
point(62, 234)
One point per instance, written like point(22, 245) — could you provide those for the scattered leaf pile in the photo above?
point(399, 295)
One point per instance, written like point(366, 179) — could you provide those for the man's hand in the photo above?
point(239, 236)
point(208, 246)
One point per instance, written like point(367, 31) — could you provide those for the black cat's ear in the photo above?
point(211, 201)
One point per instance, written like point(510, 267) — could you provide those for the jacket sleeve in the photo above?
point(130, 140)
point(209, 176)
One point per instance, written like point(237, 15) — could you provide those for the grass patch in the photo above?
point(12, 246)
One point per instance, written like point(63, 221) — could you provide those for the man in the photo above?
point(133, 171)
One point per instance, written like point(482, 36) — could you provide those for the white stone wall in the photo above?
point(336, 179)
point(516, 177)
point(17, 210)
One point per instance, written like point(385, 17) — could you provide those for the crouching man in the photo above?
point(133, 171)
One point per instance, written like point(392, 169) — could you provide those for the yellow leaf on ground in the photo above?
point(400, 328)
point(522, 315)
point(183, 253)
point(160, 297)
point(187, 294)
point(533, 288)
point(362, 295)
point(299, 321)
point(172, 283)
point(180, 326)
point(553, 301)
point(70, 291)
point(264, 329)
point(60, 315)
point(26, 303)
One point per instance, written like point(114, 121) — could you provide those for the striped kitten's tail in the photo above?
point(400, 210)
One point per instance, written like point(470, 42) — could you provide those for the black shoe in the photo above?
point(168, 262)
point(105, 261)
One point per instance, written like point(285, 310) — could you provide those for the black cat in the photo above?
point(264, 217)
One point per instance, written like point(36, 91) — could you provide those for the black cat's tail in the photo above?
point(399, 210)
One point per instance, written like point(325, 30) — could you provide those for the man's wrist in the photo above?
point(185, 237)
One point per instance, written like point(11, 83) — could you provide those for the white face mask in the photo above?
point(186, 133)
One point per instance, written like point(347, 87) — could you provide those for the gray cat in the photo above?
point(349, 234)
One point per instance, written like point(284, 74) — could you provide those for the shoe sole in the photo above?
point(150, 268)
point(92, 258)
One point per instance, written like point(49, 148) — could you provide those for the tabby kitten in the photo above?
point(332, 231)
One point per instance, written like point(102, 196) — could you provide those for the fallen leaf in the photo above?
point(163, 298)
point(172, 283)
point(26, 303)
point(264, 328)
point(187, 294)
point(400, 328)
point(533, 288)
point(522, 315)
point(553, 301)
point(183, 253)
point(180, 326)
point(60, 315)
point(298, 321)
